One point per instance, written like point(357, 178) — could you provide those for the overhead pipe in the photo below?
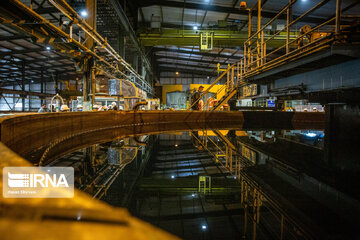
point(29, 11)
point(65, 8)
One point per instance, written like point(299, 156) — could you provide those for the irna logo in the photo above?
point(38, 182)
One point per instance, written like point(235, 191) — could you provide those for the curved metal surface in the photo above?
point(50, 135)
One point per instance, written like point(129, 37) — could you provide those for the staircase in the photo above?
point(224, 99)
point(231, 86)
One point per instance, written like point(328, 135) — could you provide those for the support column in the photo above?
point(85, 87)
point(89, 62)
point(93, 85)
point(259, 34)
point(122, 42)
point(23, 86)
point(338, 17)
point(136, 62)
point(288, 20)
point(29, 89)
point(42, 85)
point(14, 98)
point(56, 83)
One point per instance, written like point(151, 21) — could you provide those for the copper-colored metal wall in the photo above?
point(30, 135)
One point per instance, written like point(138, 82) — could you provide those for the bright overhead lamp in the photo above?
point(195, 27)
point(83, 13)
point(48, 48)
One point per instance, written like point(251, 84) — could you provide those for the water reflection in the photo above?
point(271, 184)
point(97, 167)
point(278, 171)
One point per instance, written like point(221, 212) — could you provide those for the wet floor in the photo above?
point(224, 184)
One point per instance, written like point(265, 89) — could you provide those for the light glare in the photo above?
point(84, 13)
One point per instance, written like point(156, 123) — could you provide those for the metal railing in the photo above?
point(257, 58)
point(233, 80)
point(310, 39)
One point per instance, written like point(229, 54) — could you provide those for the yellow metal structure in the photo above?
point(258, 59)
point(206, 41)
point(204, 184)
point(170, 88)
point(180, 37)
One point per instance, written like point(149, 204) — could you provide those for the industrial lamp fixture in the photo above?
point(243, 5)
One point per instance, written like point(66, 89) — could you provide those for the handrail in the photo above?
point(255, 48)
point(271, 20)
point(211, 86)
point(256, 59)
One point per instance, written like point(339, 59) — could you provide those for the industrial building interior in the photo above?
point(181, 119)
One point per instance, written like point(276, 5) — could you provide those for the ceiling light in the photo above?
point(203, 227)
point(176, 145)
point(48, 48)
point(84, 13)
point(177, 73)
point(310, 134)
point(172, 176)
point(195, 27)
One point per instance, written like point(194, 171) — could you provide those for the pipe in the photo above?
point(137, 105)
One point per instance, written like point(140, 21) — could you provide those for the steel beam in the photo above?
point(217, 8)
point(214, 55)
point(222, 38)
point(160, 58)
point(185, 70)
point(13, 52)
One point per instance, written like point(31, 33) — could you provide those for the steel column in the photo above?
point(93, 86)
point(288, 20)
point(42, 84)
point(23, 86)
point(338, 17)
